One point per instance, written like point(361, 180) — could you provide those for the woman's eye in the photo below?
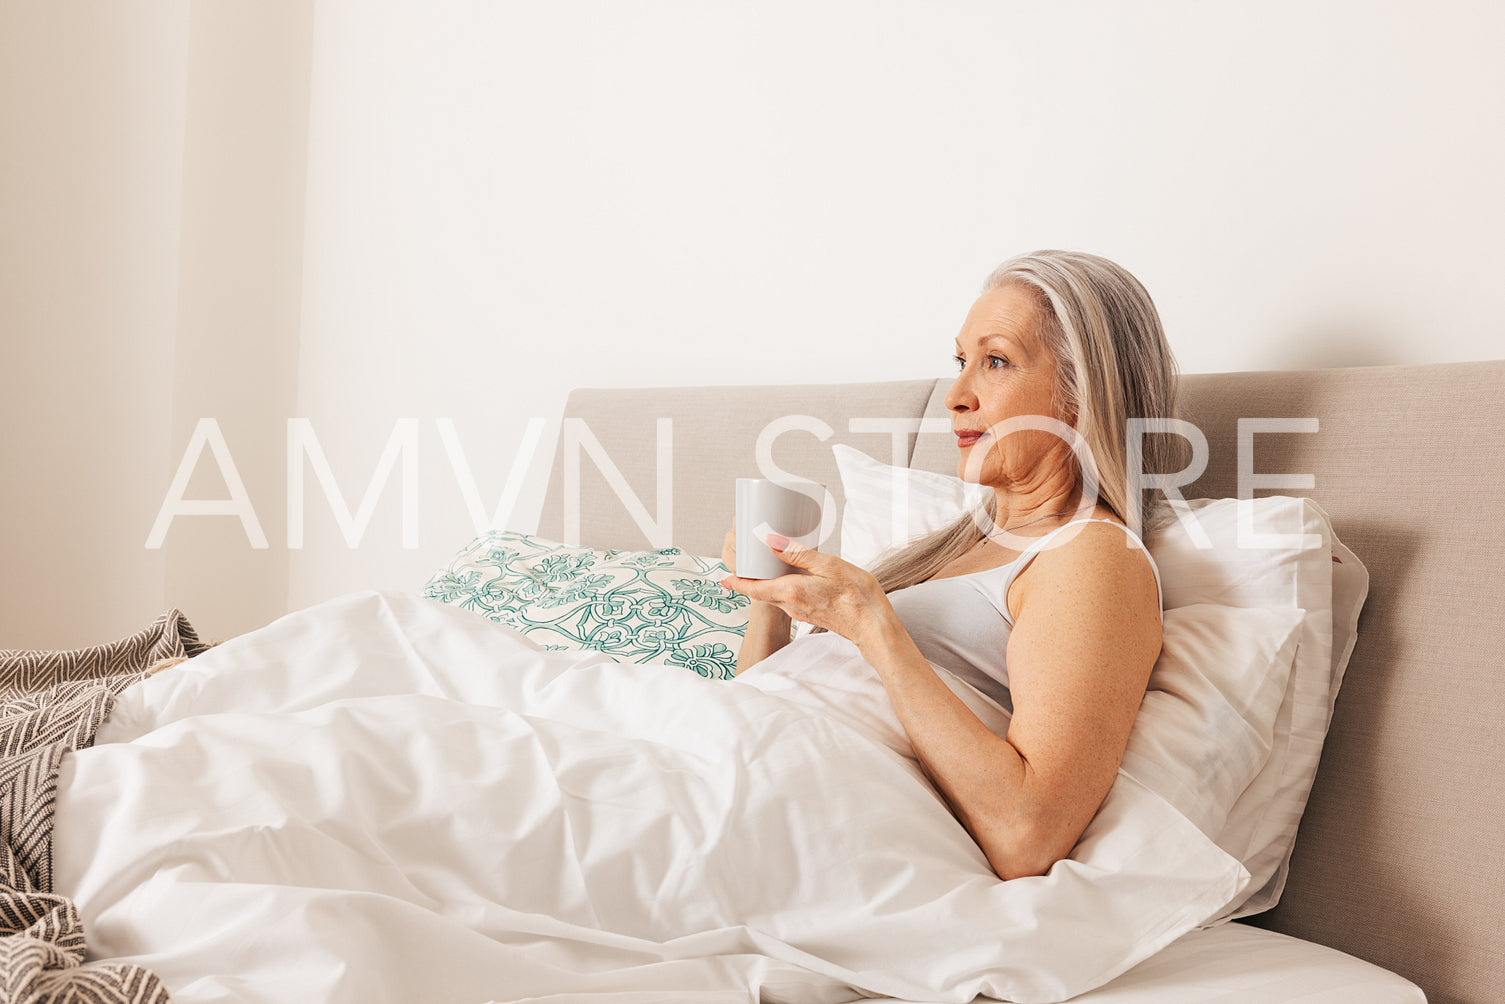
point(997, 362)
point(961, 363)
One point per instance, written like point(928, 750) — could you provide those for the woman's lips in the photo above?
point(967, 438)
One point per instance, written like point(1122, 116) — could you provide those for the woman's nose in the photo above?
point(960, 396)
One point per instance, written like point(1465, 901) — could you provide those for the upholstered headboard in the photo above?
point(1399, 858)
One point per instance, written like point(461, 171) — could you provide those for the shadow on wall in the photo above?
point(1333, 345)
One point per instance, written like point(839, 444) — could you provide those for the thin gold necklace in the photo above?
point(1021, 526)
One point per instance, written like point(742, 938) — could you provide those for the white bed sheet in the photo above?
point(385, 800)
point(1239, 964)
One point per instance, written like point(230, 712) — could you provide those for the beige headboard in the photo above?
point(1401, 855)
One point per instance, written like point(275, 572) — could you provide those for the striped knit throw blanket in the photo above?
point(50, 703)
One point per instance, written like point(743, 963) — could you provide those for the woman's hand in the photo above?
point(729, 549)
point(834, 594)
point(768, 627)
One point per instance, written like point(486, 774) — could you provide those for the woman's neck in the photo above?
point(1014, 508)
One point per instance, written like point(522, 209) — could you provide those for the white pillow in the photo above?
point(1206, 727)
point(1350, 590)
point(1243, 566)
point(1202, 560)
point(887, 507)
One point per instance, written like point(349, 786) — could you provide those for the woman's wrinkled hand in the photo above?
point(833, 594)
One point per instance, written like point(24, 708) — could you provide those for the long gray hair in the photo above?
point(1112, 364)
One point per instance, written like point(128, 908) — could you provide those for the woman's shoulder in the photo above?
point(1102, 528)
point(1094, 560)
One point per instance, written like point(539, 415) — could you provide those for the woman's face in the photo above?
point(1005, 372)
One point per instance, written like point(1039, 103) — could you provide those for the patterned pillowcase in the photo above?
point(638, 606)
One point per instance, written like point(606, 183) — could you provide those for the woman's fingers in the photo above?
point(813, 597)
point(729, 550)
point(794, 553)
point(825, 591)
point(753, 589)
point(779, 592)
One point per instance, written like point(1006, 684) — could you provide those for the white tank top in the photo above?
point(961, 623)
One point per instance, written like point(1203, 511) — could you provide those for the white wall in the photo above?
point(503, 201)
point(91, 132)
point(511, 200)
point(236, 345)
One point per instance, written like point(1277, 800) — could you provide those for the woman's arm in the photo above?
point(767, 632)
point(1086, 635)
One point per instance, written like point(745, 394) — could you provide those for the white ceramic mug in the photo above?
point(765, 507)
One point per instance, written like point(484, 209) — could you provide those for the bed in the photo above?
point(366, 800)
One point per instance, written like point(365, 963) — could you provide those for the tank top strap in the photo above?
point(1020, 563)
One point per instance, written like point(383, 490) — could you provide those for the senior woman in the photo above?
point(1051, 604)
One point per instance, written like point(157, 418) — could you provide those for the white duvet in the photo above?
point(384, 799)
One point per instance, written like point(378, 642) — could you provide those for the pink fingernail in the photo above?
point(777, 541)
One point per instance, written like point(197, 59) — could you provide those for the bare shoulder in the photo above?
point(1096, 566)
point(1086, 634)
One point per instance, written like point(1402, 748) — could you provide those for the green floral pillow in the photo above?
point(638, 606)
